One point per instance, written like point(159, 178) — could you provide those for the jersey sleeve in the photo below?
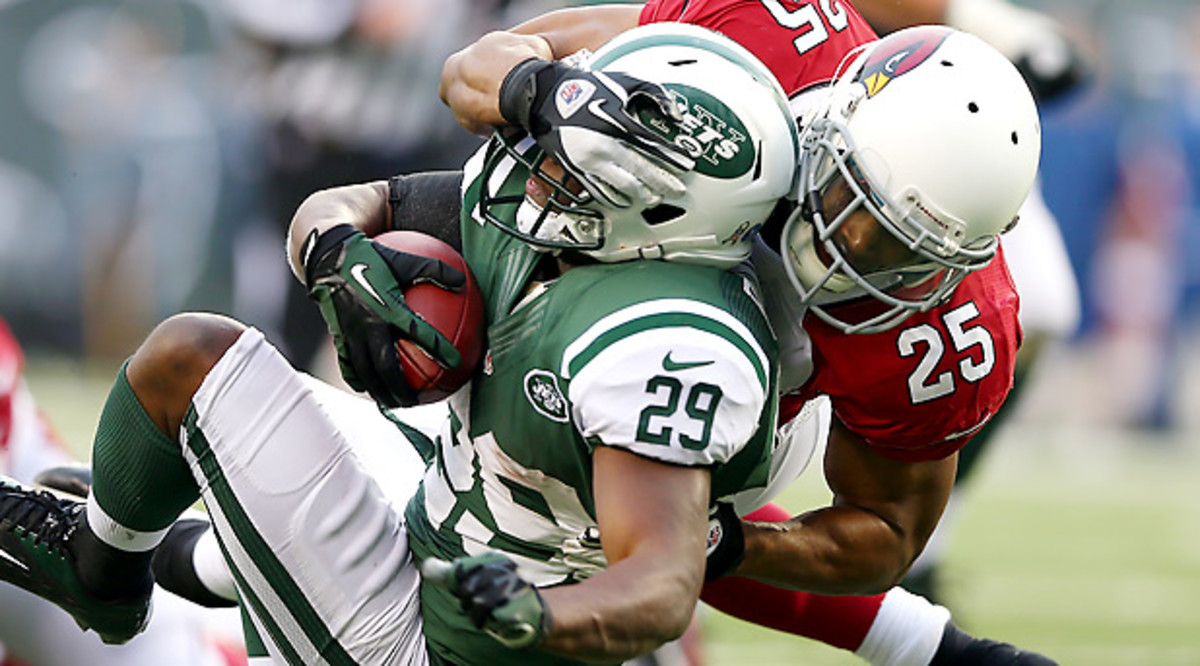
point(673, 380)
point(802, 43)
point(920, 391)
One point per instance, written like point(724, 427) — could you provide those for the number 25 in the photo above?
point(921, 388)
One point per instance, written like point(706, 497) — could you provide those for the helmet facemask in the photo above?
point(568, 219)
point(824, 270)
point(736, 125)
point(940, 171)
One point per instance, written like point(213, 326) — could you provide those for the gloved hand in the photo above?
point(494, 596)
point(726, 543)
point(598, 125)
point(359, 287)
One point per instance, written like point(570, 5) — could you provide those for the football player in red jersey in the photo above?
point(910, 369)
point(872, 254)
point(1056, 71)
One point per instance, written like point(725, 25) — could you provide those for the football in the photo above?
point(458, 315)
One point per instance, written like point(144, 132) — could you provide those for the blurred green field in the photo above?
point(1082, 543)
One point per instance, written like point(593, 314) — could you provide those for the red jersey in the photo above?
point(802, 43)
point(919, 391)
point(11, 361)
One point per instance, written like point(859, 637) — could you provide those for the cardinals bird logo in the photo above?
point(901, 57)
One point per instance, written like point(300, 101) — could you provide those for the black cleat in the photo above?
point(72, 478)
point(962, 649)
point(36, 529)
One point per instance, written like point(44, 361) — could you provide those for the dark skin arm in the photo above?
point(648, 593)
point(364, 206)
point(882, 513)
point(471, 78)
point(891, 15)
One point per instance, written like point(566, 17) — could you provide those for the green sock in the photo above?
point(139, 476)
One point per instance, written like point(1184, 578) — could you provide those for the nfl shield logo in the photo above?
point(572, 95)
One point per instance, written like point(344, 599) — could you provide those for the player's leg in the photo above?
point(35, 631)
point(294, 509)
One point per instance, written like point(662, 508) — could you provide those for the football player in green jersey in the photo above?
point(611, 385)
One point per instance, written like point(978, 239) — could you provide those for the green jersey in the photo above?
point(672, 362)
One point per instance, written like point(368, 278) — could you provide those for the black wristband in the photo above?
point(319, 243)
point(730, 543)
point(519, 89)
point(395, 197)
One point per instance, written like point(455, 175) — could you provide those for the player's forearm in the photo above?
point(471, 78)
point(653, 519)
point(623, 612)
point(890, 15)
point(835, 550)
point(363, 206)
point(569, 30)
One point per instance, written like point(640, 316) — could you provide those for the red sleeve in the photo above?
point(921, 390)
point(11, 360)
point(801, 43)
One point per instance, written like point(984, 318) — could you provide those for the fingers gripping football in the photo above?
point(608, 129)
point(359, 287)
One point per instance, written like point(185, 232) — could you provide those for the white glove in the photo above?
point(609, 130)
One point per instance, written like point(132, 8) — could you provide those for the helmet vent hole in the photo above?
point(1014, 138)
point(973, 107)
point(947, 63)
point(681, 63)
point(661, 214)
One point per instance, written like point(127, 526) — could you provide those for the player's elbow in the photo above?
point(669, 616)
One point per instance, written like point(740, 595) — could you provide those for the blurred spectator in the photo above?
point(330, 93)
point(103, 136)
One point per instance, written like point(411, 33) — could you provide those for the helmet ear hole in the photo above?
point(661, 214)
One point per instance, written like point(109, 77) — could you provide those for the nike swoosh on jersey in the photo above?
point(969, 431)
point(14, 560)
point(671, 365)
point(357, 272)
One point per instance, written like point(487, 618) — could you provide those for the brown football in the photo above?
point(458, 315)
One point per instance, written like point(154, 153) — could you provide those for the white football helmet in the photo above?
point(737, 127)
point(936, 134)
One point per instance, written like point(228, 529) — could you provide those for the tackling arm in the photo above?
point(882, 513)
point(471, 78)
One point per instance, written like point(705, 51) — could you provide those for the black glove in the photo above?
point(359, 287)
point(726, 543)
point(494, 596)
point(610, 130)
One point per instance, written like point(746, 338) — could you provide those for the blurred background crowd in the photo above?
point(151, 152)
